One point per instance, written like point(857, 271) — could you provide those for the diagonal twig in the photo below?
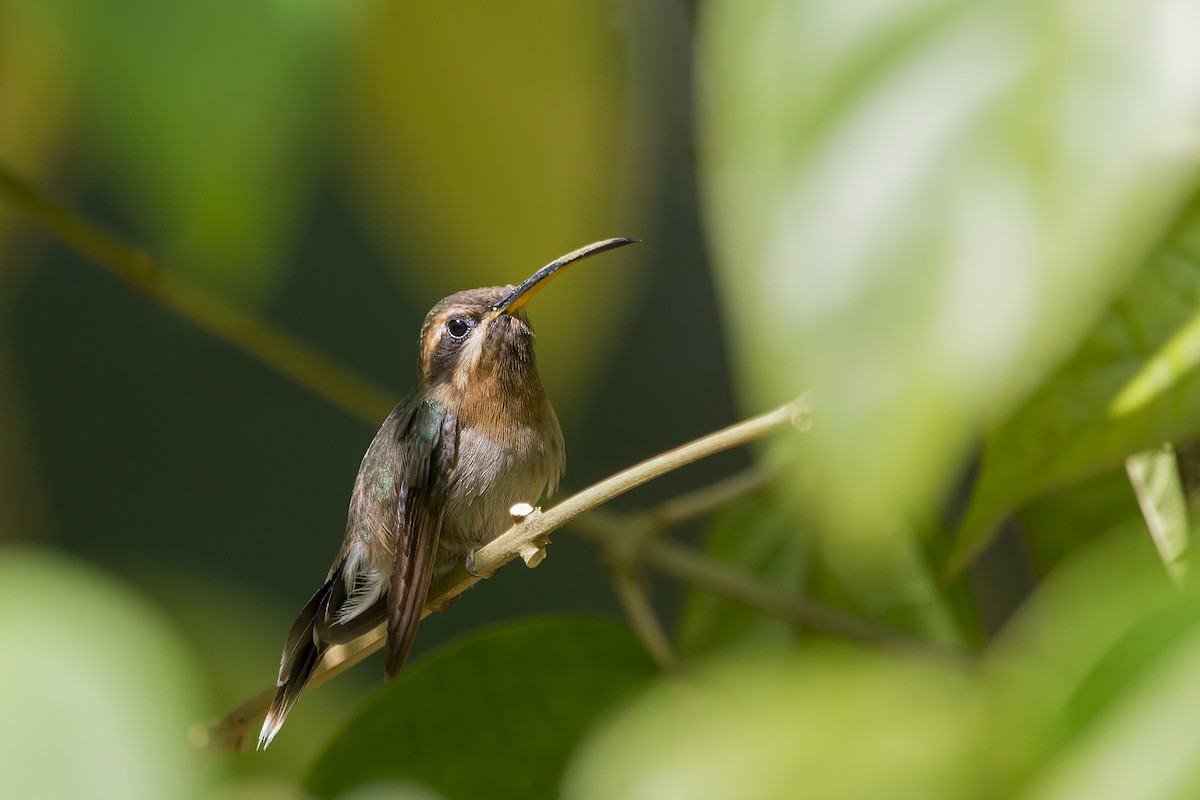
point(629, 583)
point(524, 539)
point(701, 502)
point(279, 351)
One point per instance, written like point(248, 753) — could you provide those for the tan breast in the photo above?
point(497, 468)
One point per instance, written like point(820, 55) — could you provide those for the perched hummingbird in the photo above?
point(476, 436)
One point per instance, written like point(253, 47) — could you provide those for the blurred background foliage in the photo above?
point(967, 228)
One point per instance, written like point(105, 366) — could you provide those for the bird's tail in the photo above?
point(301, 654)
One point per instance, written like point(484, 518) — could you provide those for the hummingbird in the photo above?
point(476, 436)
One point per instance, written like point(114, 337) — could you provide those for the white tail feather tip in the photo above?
point(270, 727)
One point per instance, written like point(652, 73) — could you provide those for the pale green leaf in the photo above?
point(1131, 385)
point(1083, 611)
point(96, 691)
point(822, 724)
point(1142, 743)
point(918, 208)
point(1091, 655)
point(1154, 475)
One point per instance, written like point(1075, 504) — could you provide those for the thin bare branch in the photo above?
point(369, 403)
point(701, 502)
point(268, 344)
point(698, 570)
point(637, 542)
point(526, 539)
point(630, 585)
point(629, 580)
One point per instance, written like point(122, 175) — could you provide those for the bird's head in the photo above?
point(480, 340)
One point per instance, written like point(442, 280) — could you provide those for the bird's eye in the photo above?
point(459, 327)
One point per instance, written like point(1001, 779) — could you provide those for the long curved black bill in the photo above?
point(521, 295)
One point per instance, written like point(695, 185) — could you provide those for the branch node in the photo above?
point(627, 540)
point(532, 554)
point(520, 511)
point(801, 412)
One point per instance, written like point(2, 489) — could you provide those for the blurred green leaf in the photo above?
point(204, 118)
point(96, 691)
point(1053, 525)
point(488, 140)
point(391, 791)
point(1141, 741)
point(1084, 610)
point(884, 574)
point(266, 789)
point(918, 207)
point(768, 537)
point(1132, 656)
point(1078, 686)
point(494, 715)
point(825, 723)
point(1131, 385)
point(751, 534)
point(1098, 652)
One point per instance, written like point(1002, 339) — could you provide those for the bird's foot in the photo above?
point(532, 552)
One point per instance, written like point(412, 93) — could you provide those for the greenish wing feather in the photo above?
point(429, 442)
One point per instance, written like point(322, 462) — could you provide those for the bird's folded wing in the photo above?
point(429, 454)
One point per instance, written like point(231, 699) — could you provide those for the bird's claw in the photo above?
point(470, 565)
point(532, 552)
